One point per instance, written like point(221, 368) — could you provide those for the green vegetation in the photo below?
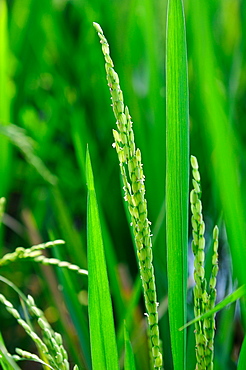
point(177, 177)
point(131, 168)
point(136, 307)
point(204, 299)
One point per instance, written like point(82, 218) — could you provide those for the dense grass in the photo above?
point(53, 86)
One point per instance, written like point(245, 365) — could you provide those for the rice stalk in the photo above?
point(204, 300)
point(131, 169)
point(50, 345)
point(34, 254)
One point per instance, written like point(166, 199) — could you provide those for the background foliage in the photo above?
point(53, 86)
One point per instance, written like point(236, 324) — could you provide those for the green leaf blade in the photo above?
point(102, 332)
point(221, 137)
point(6, 361)
point(239, 293)
point(177, 176)
point(242, 356)
point(129, 357)
point(5, 163)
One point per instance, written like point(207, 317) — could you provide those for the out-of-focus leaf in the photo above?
point(129, 357)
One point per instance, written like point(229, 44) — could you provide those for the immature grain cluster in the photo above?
point(204, 299)
point(133, 180)
point(49, 342)
point(35, 254)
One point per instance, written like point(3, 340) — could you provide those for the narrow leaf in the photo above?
point(177, 175)
point(239, 293)
point(102, 332)
point(222, 142)
point(4, 98)
point(4, 67)
point(129, 357)
point(6, 361)
point(242, 356)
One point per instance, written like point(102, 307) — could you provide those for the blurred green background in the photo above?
point(52, 85)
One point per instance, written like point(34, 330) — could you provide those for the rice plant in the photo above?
point(204, 300)
point(62, 182)
point(53, 355)
point(134, 189)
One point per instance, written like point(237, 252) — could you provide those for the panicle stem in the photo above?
point(133, 179)
point(204, 300)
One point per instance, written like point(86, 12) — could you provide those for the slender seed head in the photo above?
point(133, 180)
point(203, 300)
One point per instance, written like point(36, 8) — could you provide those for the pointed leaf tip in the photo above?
point(89, 173)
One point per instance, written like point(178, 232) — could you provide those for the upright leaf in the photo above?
point(242, 356)
point(6, 361)
point(129, 357)
point(4, 97)
point(177, 175)
point(221, 139)
point(102, 332)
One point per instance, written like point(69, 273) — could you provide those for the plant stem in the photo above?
point(203, 301)
point(133, 180)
